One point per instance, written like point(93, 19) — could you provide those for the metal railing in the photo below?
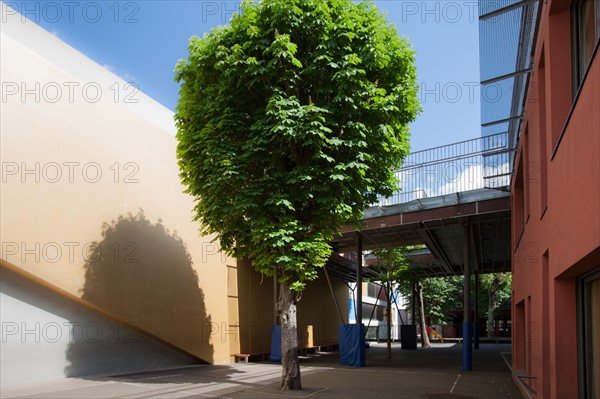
point(484, 162)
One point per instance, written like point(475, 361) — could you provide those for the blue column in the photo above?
point(467, 355)
point(275, 355)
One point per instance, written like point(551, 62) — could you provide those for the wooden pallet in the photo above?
point(246, 357)
point(309, 349)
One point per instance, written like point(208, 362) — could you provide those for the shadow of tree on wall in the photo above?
point(141, 273)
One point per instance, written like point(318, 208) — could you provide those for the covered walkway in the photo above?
point(454, 204)
point(450, 197)
point(424, 373)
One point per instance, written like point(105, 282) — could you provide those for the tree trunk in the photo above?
point(424, 337)
point(389, 325)
point(290, 375)
point(492, 291)
point(490, 318)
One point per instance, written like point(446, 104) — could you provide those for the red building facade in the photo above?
point(556, 209)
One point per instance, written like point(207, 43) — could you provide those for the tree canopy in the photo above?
point(392, 267)
point(291, 120)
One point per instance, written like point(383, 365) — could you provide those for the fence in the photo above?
point(484, 162)
point(502, 331)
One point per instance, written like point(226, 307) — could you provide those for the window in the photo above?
point(585, 33)
point(589, 314)
point(543, 133)
point(529, 177)
point(372, 290)
point(518, 202)
point(519, 336)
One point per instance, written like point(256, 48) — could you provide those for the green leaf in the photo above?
point(290, 121)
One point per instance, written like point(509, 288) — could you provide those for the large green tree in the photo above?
point(496, 291)
point(291, 120)
point(440, 294)
point(434, 296)
point(396, 276)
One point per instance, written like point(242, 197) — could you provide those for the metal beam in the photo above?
point(506, 76)
point(337, 305)
point(436, 249)
point(503, 10)
point(505, 120)
point(474, 261)
point(402, 226)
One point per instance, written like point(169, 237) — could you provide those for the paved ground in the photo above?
point(423, 373)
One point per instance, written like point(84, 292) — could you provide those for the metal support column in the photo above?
point(337, 305)
point(412, 302)
point(467, 355)
point(275, 300)
point(359, 294)
point(359, 278)
point(476, 315)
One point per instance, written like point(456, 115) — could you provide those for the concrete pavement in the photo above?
point(423, 373)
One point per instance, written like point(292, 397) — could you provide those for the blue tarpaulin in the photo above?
point(352, 344)
point(275, 355)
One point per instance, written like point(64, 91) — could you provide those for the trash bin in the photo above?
point(408, 336)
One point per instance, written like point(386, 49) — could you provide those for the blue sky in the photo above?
point(141, 41)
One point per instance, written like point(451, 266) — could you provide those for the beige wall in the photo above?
point(92, 206)
point(318, 316)
point(91, 199)
point(317, 308)
point(47, 336)
point(255, 309)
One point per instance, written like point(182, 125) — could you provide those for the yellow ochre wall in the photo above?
point(91, 200)
point(93, 209)
point(317, 315)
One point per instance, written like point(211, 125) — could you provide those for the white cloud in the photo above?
point(472, 177)
point(126, 76)
point(469, 178)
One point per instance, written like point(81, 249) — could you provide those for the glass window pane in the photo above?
point(587, 34)
point(588, 25)
point(592, 339)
